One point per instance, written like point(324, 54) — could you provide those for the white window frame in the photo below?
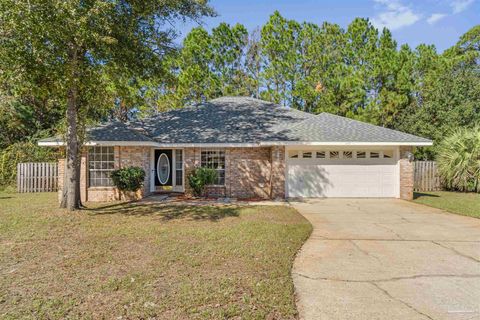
point(217, 151)
point(93, 152)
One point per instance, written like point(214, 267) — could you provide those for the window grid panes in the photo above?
point(374, 155)
point(361, 154)
point(215, 159)
point(178, 167)
point(307, 155)
point(100, 164)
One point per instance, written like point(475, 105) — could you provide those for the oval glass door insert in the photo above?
point(163, 168)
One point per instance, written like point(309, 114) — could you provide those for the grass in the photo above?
point(132, 261)
point(467, 204)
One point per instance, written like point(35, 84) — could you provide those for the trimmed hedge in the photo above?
point(128, 178)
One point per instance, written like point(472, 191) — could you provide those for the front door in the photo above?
point(163, 169)
point(167, 170)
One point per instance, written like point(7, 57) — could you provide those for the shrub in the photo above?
point(128, 179)
point(459, 160)
point(200, 178)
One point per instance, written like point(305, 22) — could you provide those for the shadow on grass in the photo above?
point(3, 198)
point(417, 195)
point(167, 212)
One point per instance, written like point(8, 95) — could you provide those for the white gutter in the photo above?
point(345, 143)
point(235, 145)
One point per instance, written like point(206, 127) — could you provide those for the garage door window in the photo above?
point(334, 155)
point(388, 154)
point(361, 154)
point(347, 154)
point(342, 155)
point(320, 154)
point(293, 154)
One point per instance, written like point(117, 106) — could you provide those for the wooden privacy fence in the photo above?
point(37, 177)
point(426, 176)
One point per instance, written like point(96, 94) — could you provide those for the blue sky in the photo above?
point(438, 22)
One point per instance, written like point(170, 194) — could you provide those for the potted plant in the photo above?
point(129, 182)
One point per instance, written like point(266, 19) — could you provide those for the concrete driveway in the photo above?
point(387, 259)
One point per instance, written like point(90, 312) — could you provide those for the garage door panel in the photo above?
point(341, 180)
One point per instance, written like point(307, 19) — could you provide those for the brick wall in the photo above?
point(249, 172)
point(406, 174)
point(136, 156)
point(123, 157)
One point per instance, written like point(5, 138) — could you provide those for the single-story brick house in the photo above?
point(259, 149)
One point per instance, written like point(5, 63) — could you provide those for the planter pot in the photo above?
point(130, 195)
point(214, 192)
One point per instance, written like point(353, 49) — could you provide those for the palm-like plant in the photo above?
point(459, 160)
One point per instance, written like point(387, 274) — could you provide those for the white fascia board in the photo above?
point(234, 145)
point(100, 143)
point(344, 143)
point(153, 144)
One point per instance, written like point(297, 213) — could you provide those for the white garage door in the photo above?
point(342, 174)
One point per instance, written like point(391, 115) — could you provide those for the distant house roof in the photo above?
point(243, 120)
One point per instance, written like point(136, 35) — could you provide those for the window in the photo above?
point(293, 154)
point(334, 155)
point(361, 155)
point(178, 167)
point(374, 155)
point(320, 154)
point(388, 154)
point(347, 154)
point(100, 164)
point(307, 155)
point(215, 159)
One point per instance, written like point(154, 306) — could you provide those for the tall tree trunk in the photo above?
point(71, 191)
point(71, 199)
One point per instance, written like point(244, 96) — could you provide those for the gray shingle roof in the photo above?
point(246, 120)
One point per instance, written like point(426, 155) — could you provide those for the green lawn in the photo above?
point(467, 204)
point(146, 261)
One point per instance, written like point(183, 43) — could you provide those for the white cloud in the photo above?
point(460, 5)
point(395, 15)
point(435, 17)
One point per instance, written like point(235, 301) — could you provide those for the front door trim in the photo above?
point(173, 164)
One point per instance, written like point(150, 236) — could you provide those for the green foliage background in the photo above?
point(459, 160)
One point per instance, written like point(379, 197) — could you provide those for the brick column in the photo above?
point(278, 172)
point(190, 162)
point(61, 178)
point(406, 174)
point(83, 176)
